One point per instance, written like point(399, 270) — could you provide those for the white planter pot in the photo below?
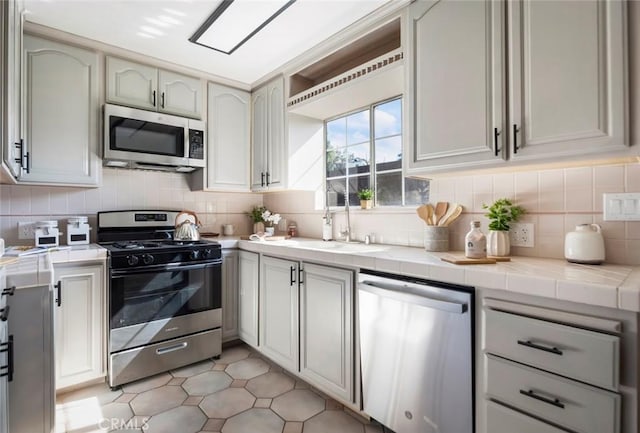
point(498, 243)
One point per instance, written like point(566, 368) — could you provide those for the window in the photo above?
point(355, 140)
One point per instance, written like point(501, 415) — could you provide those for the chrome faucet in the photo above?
point(347, 233)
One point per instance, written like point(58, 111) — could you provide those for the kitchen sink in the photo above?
point(333, 246)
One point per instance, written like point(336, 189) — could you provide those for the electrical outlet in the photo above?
point(26, 230)
point(521, 235)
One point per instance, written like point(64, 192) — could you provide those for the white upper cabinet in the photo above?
point(150, 88)
point(228, 140)
point(12, 19)
point(61, 114)
point(567, 77)
point(268, 139)
point(562, 61)
point(456, 84)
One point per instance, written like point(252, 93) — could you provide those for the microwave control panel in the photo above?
point(196, 144)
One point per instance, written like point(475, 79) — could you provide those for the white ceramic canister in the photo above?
point(78, 230)
point(585, 245)
point(47, 234)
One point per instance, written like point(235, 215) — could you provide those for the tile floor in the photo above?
point(241, 392)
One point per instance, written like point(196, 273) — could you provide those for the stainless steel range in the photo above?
point(165, 296)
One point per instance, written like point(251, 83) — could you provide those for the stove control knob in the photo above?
point(147, 259)
point(208, 253)
point(194, 255)
point(132, 260)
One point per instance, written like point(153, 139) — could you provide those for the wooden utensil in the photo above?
point(424, 214)
point(452, 216)
point(441, 209)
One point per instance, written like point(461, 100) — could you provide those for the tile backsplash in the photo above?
point(121, 189)
point(556, 201)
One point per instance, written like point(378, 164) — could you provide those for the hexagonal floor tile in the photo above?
point(247, 368)
point(254, 420)
point(116, 415)
point(207, 383)
point(148, 383)
point(158, 400)
point(233, 354)
point(193, 369)
point(225, 404)
point(333, 421)
point(183, 419)
point(270, 385)
point(298, 405)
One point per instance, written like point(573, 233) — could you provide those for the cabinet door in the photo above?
point(567, 77)
point(229, 139)
point(455, 84)
point(229, 295)
point(279, 338)
point(61, 102)
point(326, 330)
point(179, 94)
point(275, 156)
point(132, 84)
point(32, 391)
point(79, 324)
point(11, 137)
point(248, 283)
point(4, 380)
point(259, 139)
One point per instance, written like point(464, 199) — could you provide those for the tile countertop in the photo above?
point(614, 286)
point(37, 269)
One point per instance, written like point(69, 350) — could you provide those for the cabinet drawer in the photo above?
point(573, 405)
point(588, 356)
point(501, 419)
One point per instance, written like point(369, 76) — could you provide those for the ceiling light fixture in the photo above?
point(235, 22)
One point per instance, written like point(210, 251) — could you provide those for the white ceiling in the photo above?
point(161, 29)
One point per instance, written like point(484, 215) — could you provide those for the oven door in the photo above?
point(160, 303)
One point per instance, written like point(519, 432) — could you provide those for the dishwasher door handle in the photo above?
point(397, 293)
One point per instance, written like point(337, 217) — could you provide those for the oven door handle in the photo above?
point(170, 267)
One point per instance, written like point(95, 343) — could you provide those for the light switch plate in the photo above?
point(621, 206)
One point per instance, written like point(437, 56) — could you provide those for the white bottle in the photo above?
point(475, 243)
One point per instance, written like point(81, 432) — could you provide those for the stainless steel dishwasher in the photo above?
point(416, 347)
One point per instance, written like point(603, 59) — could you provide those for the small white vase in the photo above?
point(498, 243)
point(269, 231)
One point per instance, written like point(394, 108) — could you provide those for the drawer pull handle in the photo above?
point(554, 402)
point(553, 350)
point(179, 346)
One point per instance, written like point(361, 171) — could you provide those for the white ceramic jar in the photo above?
point(585, 245)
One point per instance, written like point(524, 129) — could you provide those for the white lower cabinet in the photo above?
point(229, 295)
point(248, 285)
point(79, 323)
point(326, 329)
point(540, 367)
point(279, 319)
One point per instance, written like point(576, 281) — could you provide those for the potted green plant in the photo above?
point(501, 213)
point(366, 198)
point(255, 215)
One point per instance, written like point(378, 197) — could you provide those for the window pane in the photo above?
point(389, 153)
point(337, 133)
point(388, 118)
point(336, 162)
point(416, 191)
point(335, 191)
point(359, 158)
point(356, 184)
point(389, 189)
point(358, 128)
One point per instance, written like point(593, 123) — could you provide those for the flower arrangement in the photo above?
point(501, 213)
point(260, 214)
point(271, 218)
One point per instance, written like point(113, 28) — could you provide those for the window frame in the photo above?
point(372, 149)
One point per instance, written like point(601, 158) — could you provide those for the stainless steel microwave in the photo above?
point(136, 138)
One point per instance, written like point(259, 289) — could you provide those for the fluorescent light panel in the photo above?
point(234, 22)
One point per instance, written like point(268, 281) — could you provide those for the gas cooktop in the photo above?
point(155, 244)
